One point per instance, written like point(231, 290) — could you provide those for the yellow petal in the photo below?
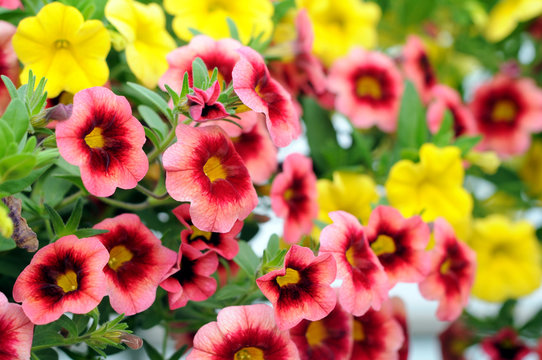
point(120, 13)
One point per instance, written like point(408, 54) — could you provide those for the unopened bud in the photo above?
point(23, 235)
point(59, 112)
point(132, 341)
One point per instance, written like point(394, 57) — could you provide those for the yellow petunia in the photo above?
point(506, 14)
point(531, 169)
point(341, 25)
point(147, 41)
point(508, 257)
point(60, 45)
point(252, 17)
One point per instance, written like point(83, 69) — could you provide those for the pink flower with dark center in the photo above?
point(243, 333)
point(137, 263)
point(65, 276)
point(399, 244)
point(453, 267)
point(368, 88)
point(17, 331)
point(365, 283)
point(202, 105)
point(9, 65)
point(204, 169)
point(505, 345)
point(294, 197)
point(190, 278)
point(418, 69)
point(301, 289)
point(104, 140)
point(455, 339)
point(445, 98)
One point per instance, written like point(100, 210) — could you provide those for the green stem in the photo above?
point(49, 229)
point(164, 342)
point(148, 192)
point(70, 199)
point(125, 205)
point(167, 141)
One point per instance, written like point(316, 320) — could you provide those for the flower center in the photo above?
point(62, 44)
point(359, 334)
point(290, 278)
point(383, 245)
point(316, 333)
point(197, 233)
point(219, 78)
point(504, 111)
point(288, 194)
point(445, 266)
point(118, 256)
point(350, 256)
point(249, 353)
point(95, 139)
point(369, 86)
point(214, 170)
point(67, 281)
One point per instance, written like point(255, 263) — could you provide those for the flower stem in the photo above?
point(148, 192)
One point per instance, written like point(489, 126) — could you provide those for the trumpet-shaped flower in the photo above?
point(104, 140)
point(202, 105)
point(59, 45)
point(506, 14)
point(505, 345)
point(445, 98)
point(17, 331)
point(143, 27)
point(9, 65)
point(455, 339)
point(63, 276)
point(417, 67)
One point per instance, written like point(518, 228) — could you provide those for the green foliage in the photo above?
point(247, 259)
point(412, 131)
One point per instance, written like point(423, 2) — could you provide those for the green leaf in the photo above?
point(466, 143)
point(84, 233)
point(200, 73)
point(46, 157)
point(56, 220)
point(6, 137)
point(177, 354)
point(273, 245)
point(506, 313)
point(30, 145)
point(234, 33)
point(412, 127)
point(46, 354)
point(6, 243)
point(151, 135)
point(17, 118)
point(186, 85)
point(10, 86)
point(533, 327)
point(445, 133)
point(281, 9)
point(75, 218)
point(14, 186)
point(67, 324)
point(152, 353)
point(172, 94)
point(153, 120)
point(16, 166)
point(247, 259)
point(153, 98)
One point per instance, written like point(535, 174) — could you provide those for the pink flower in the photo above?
point(9, 65)
point(294, 197)
point(204, 168)
point(104, 140)
point(399, 313)
point(243, 332)
point(452, 272)
point(17, 331)
point(11, 4)
point(505, 345)
point(365, 283)
point(301, 289)
point(455, 339)
point(203, 106)
point(63, 276)
point(445, 98)
point(369, 89)
point(417, 67)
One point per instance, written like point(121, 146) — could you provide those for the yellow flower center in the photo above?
point(219, 5)
point(290, 278)
point(219, 78)
point(214, 170)
point(67, 281)
point(350, 256)
point(95, 139)
point(504, 111)
point(383, 245)
point(359, 334)
point(197, 233)
point(445, 266)
point(62, 44)
point(316, 333)
point(369, 86)
point(288, 194)
point(118, 256)
point(249, 353)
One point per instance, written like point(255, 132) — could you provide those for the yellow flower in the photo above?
point(60, 45)
point(506, 14)
point(6, 224)
point(252, 17)
point(432, 187)
point(508, 257)
point(341, 25)
point(531, 169)
point(147, 41)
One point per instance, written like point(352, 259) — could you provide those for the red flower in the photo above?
point(399, 244)
point(9, 65)
point(294, 197)
point(204, 168)
point(137, 263)
point(452, 272)
point(190, 278)
point(243, 332)
point(63, 276)
point(365, 282)
point(203, 106)
point(104, 140)
point(455, 340)
point(417, 67)
point(301, 289)
point(505, 345)
point(445, 98)
point(16, 330)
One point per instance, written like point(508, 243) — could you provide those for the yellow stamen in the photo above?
point(504, 111)
point(219, 78)
point(445, 267)
point(290, 278)
point(369, 86)
point(249, 353)
point(214, 170)
point(197, 233)
point(62, 44)
point(350, 256)
point(359, 334)
point(67, 281)
point(288, 194)
point(383, 245)
point(118, 256)
point(95, 139)
point(316, 333)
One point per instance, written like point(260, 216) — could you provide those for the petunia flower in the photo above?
point(9, 65)
point(59, 45)
point(11, 4)
point(65, 276)
point(417, 67)
point(450, 279)
point(505, 16)
point(399, 244)
point(455, 339)
point(505, 345)
point(243, 332)
point(104, 140)
point(202, 105)
point(190, 278)
point(369, 89)
point(445, 98)
point(263, 94)
point(143, 27)
point(365, 283)
point(225, 244)
point(17, 331)
point(398, 310)
point(204, 168)
point(137, 263)
point(301, 289)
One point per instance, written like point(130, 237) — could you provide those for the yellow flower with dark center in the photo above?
point(506, 14)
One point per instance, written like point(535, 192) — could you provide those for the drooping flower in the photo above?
point(17, 331)
point(9, 65)
point(455, 339)
point(263, 94)
point(59, 45)
point(225, 244)
point(104, 140)
point(190, 278)
point(450, 279)
point(301, 289)
point(398, 310)
point(507, 111)
point(369, 89)
point(399, 244)
point(417, 67)
point(505, 345)
point(202, 105)
point(293, 196)
point(204, 168)
point(365, 283)
point(63, 276)
point(508, 257)
point(137, 263)
point(506, 14)
point(445, 98)
point(143, 27)
point(243, 332)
